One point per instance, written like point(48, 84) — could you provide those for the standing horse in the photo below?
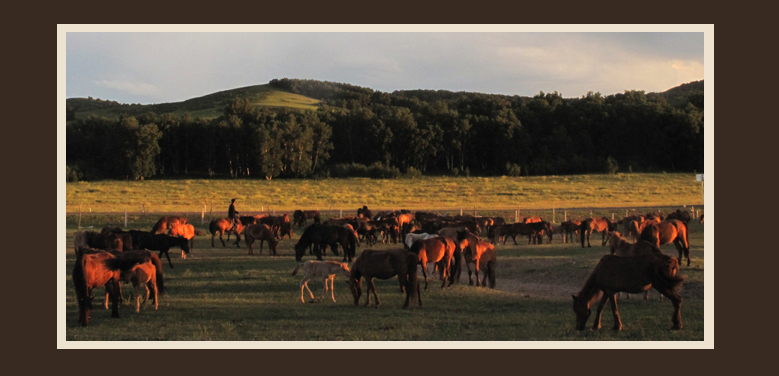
point(480, 253)
point(159, 242)
point(186, 231)
point(666, 232)
point(142, 274)
point(570, 228)
point(262, 233)
point(89, 272)
point(321, 236)
point(385, 265)
point(602, 225)
point(438, 250)
point(224, 225)
point(166, 222)
point(300, 217)
point(322, 269)
point(615, 274)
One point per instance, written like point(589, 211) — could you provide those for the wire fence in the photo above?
point(143, 219)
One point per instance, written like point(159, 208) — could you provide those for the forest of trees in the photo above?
point(361, 132)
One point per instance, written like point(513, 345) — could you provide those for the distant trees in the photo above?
point(358, 131)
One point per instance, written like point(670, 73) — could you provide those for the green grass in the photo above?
point(437, 193)
point(223, 294)
point(212, 105)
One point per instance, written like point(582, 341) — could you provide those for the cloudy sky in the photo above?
point(157, 67)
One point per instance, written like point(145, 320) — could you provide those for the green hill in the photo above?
point(208, 106)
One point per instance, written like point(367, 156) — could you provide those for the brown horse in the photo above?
point(262, 233)
point(385, 265)
point(681, 215)
point(186, 231)
point(439, 250)
point(224, 225)
point(166, 222)
point(602, 225)
point(621, 247)
point(666, 232)
point(570, 228)
point(142, 275)
point(479, 253)
point(89, 272)
point(300, 217)
point(615, 274)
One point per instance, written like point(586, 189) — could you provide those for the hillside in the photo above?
point(206, 107)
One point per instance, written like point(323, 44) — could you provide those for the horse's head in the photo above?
point(300, 249)
point(183, 244)
point(344, 270)
point(355, 285)
point(582, 309)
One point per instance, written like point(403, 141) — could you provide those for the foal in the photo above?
point(322, 269)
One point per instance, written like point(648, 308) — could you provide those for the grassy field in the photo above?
point(438, 193)
point(223, 294)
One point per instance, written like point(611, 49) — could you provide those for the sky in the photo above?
point(159, 67)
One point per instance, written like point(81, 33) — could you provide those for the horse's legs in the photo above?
point(676, 300)
point(615, 312)
point(166, 255)
point(683, 250)
point(331, 279)
point(470, 279)
point(304, 284)
point(424, 270)
point(153, 284)
point(601, 304)
point(476, 273)
point(372, 287)
point(222, 240)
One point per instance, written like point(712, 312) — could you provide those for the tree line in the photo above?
point(357, 131)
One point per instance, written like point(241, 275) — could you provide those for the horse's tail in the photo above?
point(686, 242)
point(412, 282)
point(296, 268)
point(454, 274)
point(160, 280)
point(491, 273)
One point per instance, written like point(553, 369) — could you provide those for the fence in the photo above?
point(144, 219)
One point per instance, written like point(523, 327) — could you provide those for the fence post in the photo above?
point(79, 217)
point(612, 216)
point(553, 210)
point(211, 213)
point(565, 216)
point(203, 214)
point(125, 218)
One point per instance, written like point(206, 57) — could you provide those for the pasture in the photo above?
point(224, 294)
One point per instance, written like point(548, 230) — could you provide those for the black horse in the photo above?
point(158, 242)
point(323, 235)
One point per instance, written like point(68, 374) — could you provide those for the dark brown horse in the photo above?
point(621, 247)
point(159, 242)
point(385, 265)
point(602, 225)
point(225, 225)
point(439, 250)
point(615, 274)
point(681, 215)
point(479, 253)
point(166, 222)
point(666, 232)
point(570, 228)
point(261, 232)
point(321, 236)
point(300, 217)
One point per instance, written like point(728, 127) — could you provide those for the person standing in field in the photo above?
point(233, 214)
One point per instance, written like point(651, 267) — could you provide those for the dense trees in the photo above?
point(363, 132)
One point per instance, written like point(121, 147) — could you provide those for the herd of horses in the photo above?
point(112, 256)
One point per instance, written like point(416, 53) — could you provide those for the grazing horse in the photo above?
point(533, 230)
point(615, 274)
point(480, 253)
point(224, 225)
point(89, 272)
point(602, 225)
point(438, 250)
point(666, 232)
point(570, 228)
point(385, 265)
point(621, 247)
point(166, 222)
point(300, 217)
point(159, 242)
point(262, 233)
point(322, 269)
point(186, 231)
point(680, 215)
point(323, 235)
